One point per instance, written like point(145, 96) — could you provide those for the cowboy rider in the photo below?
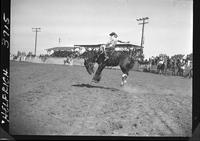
point(113, 40)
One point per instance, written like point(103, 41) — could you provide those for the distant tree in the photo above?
point(29, 54)
point(177, 56)
point(19, 53)
point(162, 55)
point(141, 56)
point(190, 56)
point(23, 53)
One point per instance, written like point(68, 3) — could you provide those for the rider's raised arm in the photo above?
point(122, 41)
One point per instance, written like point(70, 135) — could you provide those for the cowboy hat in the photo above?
point(112, 33)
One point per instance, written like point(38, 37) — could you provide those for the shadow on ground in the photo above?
point(93, 86)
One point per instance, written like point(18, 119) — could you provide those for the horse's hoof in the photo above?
point(95, 81)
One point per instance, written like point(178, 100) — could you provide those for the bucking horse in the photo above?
point(124, 59)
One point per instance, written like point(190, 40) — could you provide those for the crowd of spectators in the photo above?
point(149, 64)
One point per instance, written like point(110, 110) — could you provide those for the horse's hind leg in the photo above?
point(124, 75)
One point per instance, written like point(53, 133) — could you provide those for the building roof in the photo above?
point(117, 45)
point(89, 46)
point(60, 49)
point(92, 46)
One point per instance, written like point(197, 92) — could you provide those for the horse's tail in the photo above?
point(131, 64)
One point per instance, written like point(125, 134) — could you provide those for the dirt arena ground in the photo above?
point(48, 99)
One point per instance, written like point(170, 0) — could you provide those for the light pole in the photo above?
point(143, 23)
point(36, 30)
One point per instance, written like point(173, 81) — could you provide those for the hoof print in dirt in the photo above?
point(134, 125)
point(115, 126)
point(95, 81)
point(101, 131)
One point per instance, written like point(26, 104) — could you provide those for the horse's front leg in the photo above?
point(97, 76)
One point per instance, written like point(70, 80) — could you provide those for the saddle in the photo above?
point(109, 51)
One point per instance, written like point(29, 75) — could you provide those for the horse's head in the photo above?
point(89, 65)
point(91, 57)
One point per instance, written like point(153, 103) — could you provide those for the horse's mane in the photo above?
point(90, 54)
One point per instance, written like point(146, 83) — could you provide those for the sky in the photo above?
point(169, 29)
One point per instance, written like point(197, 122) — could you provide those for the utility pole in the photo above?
point(36, 30)
point(143, 23)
